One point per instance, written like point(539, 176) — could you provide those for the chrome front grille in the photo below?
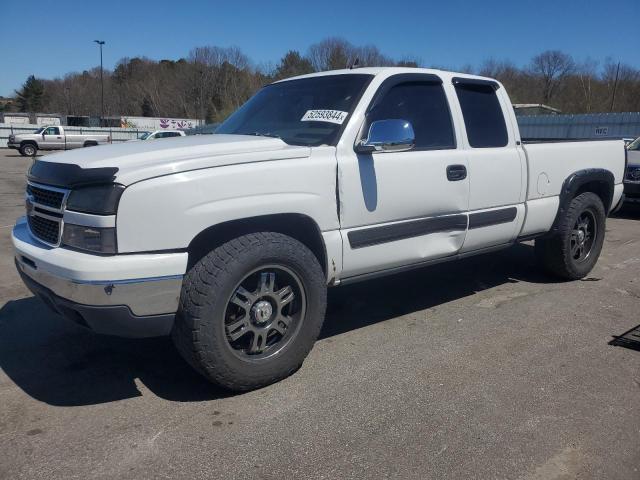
point(45, 209)
point(45, 197)
point(45, 229)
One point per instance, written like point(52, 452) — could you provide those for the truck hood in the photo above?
point(25, 136)
point(131, 162)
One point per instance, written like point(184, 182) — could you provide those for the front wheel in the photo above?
point(251, 310)
point(28, 150)
point(572, 252)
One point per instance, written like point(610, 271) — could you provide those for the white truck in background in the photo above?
point(54, 137)
point(229, 241)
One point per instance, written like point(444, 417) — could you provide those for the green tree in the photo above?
point(30, 97)
point(146, 107)
point(293, 64)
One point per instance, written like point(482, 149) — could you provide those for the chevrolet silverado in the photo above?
point(228, 242)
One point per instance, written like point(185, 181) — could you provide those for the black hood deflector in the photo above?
point(69, 175)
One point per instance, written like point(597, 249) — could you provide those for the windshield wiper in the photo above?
point(263, 134)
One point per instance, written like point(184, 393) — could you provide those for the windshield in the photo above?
point(145, 135)
point(40, 130)
point(635, 145)
point(309, 111)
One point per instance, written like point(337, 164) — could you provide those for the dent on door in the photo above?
point(402, 210)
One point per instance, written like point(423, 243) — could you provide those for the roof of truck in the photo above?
point(388, 71)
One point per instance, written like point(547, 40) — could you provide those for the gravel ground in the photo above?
point(483, 368)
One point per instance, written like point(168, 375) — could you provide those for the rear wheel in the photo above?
point(28, 150)
point(251, 310)
point(573, 251)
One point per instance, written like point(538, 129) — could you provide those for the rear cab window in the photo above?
point(483, 116)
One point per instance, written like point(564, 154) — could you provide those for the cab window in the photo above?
point(424, 104)
point(483, 117)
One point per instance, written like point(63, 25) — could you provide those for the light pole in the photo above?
point(100, 44)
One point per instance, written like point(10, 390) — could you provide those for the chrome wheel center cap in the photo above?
point(581, 236)
point(262, 311)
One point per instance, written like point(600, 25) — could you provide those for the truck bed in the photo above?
point(550, 163)
point(564, 140)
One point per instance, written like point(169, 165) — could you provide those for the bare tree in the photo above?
point(552, 67)
point(331, 53)
point(586, 74)
point(370, 56)
point(213, 81)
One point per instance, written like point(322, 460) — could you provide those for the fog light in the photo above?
point(94, 239)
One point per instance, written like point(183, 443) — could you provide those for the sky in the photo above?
point(58, 36)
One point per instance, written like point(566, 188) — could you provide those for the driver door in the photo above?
point(408, 207)
point(52, 139)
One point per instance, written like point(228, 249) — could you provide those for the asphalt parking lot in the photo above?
point(484, 368)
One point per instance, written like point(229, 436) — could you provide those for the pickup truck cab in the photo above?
point(53, 137)
point(229, 241)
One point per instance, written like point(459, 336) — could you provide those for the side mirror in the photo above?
point(388, 136)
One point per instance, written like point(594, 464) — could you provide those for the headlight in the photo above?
point(94, 239)
point(633, 173)
point(98, 199)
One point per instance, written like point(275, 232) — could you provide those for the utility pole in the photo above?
point(100, 44)
point(615, 87)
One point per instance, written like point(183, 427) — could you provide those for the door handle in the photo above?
point(456, 173)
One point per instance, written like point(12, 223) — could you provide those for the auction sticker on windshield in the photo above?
point(333, 116)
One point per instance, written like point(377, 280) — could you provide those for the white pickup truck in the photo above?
point(229, 242)
point(53, 138)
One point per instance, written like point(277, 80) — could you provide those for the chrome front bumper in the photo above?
point(127, 295)
point(144, 296)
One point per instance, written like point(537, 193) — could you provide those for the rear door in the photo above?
point(402, 208)
point(497, 170)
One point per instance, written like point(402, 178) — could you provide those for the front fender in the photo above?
point(24, 141)
point(166, 213)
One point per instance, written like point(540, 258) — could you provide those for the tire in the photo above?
point(90, 144)
point(218, 295)
point(28, 150)
point(570, 254)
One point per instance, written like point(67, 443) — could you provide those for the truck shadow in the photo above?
point(628, 212)
point(362, 304)
point(17, 155)
point(61, 364)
